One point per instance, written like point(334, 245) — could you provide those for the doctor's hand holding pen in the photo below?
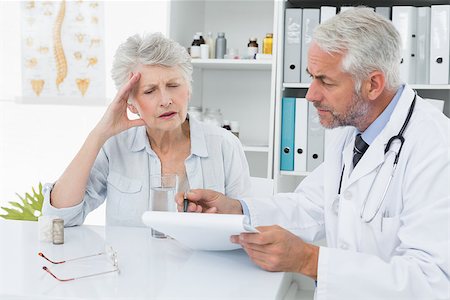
point(207, 201)
point(273, 249)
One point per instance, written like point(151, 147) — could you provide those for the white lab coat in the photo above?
point(404, 252)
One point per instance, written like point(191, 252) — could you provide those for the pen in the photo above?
point(185, 203)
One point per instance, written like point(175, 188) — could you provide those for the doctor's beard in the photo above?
point(355, 114)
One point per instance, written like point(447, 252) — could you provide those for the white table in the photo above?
point(150, 268)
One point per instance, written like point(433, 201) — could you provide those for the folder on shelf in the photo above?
point(316, 138)
point(287, 134)
point(292, 45)
point(439, 44)
point(384, 11)
point(301, 135)
point(327, 12)
point(404, 19)
point(423, 45)
point(310, 20)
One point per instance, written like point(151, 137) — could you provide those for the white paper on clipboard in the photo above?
point(199, 231)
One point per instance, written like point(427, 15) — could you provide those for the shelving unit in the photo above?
point(250, 91)
point(232, 64)
point(244, 90)
point(262, 149)
point(287, 181)
point(413, 86)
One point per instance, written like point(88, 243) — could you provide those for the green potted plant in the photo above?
point(28, 209)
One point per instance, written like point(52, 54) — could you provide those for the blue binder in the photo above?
point(287, 134)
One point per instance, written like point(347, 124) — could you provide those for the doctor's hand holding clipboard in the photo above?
point(273, 248)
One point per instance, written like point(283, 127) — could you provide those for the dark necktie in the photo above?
point(359, 149)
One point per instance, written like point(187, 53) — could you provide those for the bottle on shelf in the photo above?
point(200, 36)
point(232, 54)
point(226, 125)
point(210, 42)
point(267, 44)
point(235, 128)
point(213, 116)
point(252, 48)
point(195, 47)
point(204, 51)
point(221, 45)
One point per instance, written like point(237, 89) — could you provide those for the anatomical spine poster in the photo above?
point(63, 50)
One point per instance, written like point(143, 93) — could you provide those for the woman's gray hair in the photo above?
point(150, 49)
point(368, 41)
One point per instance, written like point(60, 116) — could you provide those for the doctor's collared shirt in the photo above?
point(124, 164)
point(380, 122)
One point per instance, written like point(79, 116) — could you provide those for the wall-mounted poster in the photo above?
point(63, 52)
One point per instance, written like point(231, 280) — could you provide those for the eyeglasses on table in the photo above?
point(109, 253)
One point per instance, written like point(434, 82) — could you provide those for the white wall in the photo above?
point(38, 141)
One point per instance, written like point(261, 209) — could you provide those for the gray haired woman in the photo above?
point(153, 75)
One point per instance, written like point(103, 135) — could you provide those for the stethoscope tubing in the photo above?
point(399, 137)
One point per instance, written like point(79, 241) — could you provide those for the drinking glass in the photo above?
point(162, 196)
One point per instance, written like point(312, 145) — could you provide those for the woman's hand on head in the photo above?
point(115, 119)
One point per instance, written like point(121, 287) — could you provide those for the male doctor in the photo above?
point(388, 238)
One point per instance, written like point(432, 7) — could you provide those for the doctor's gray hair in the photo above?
point(368, 41)
point(150, 49)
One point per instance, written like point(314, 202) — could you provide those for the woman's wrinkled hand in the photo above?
point(115, 119)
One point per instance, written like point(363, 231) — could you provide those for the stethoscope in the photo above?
point(387, 149)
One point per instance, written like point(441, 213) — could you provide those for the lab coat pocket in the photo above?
point(388, 235)
point(123, 195)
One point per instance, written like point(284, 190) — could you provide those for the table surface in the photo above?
point(149, 268)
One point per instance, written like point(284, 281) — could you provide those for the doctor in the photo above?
point(381, 198)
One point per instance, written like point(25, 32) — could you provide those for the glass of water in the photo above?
point(162, 196)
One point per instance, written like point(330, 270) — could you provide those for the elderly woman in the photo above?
point(153, 75)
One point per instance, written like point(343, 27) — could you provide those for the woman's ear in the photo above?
point(132, 108)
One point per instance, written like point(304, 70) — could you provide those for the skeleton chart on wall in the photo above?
point(63, 50)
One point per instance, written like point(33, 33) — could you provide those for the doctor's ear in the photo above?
point(375, 84)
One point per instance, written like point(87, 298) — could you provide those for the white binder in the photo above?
point(301, 135)
point(310, 21)
point(423, 45)
point(384, 11)
point(439, 44)
point(327, 12)
point(405, 20)
point(292, 45)
point(316, 138)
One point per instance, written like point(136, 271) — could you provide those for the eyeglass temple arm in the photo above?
point(63, 261)
point(70, 279)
